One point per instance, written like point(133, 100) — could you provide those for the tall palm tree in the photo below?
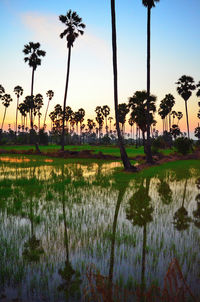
point(19, 92)
point(33, 54)
point(184, 89)
point(50, 95)
point(148, 4)
point(124, 157)
point(6, 99)
point(74, 28)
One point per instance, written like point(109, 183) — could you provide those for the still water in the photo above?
point(63, 223)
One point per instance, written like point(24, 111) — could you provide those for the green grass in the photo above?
point(107, 150)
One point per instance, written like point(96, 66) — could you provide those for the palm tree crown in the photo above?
point(32, 49)
point(74, 27)
point(149, 3)
point(185, 87)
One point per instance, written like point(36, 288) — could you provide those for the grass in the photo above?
point(110, 150)
point(132, 151)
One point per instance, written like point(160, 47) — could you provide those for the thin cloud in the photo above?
point(47, 29)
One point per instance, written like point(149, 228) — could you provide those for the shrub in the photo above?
point(183, 145)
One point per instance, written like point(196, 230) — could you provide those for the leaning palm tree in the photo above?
point(124, 157)
point(184, 89)
point(18, 90)
point(33, 54)
point(148, 4)
point(50, 95)
point(6, 99)
point(74, 28)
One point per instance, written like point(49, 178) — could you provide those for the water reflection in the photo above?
point(57, 219)
point(139, 212)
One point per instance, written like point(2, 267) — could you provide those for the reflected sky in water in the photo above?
point(56, 218)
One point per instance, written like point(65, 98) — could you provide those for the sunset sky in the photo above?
point(175, 51)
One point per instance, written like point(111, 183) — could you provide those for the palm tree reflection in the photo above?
point(181, 219)
point(196, 213)
point(70, 278)
point(139, 213)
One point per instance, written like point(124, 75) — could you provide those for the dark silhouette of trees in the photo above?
point(140, 114)
point(124, 157)
point(131, 123)
point(74, 28)
point(19, 92)
point(123, 110)
point(91, 125)
point(106, 111)
point(33, 54)
point(149, 4)
point(165, 109)
point(185, 87)
point(50, 95)
point(99, 118)
point(110, 120)
point(6, 99)
point(38, 105)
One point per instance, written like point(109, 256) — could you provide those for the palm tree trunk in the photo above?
point(16, 114)
point(46, 113)
point(148, 144)
point(188, 131)
point(65, 98)
point(32, 83)
point(3, 118)
point(124, 157)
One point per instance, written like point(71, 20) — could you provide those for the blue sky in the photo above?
point(175, 50)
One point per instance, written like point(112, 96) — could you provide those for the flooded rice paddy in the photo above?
point(60, 220)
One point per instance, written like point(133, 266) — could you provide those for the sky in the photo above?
point(175, 48)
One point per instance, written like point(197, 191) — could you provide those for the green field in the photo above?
point(132, 151)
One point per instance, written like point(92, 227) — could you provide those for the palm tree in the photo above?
point(131, 123)
point(124, 157)
point(184, 89)
point(149, 4)
point(19, 92)
point(123, 110)
point(30, 105)
point(140, 114)
point(81, 113)
point(34, 52)
point(110, 120)
point(74, 28)
point(198, 95)
point(106, 111)
point(91, 125)
point(39, 103)
point(50, 95)
point(179, 116)
point(6, 99)
point(2, 90)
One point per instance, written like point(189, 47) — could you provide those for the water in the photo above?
point(58, 219)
